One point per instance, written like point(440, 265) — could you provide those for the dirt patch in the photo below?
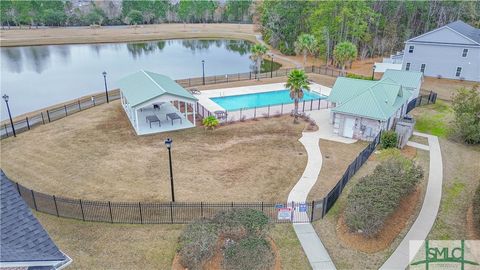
point(393, 226)
point(472, 232)
point(409, 152)
point(215, 263)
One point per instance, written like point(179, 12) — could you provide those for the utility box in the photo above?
point(404, 130)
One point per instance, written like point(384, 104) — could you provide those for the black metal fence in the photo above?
point(58, 112)
point(185, 212)
point(421, 100)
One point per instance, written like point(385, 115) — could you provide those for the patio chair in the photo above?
point(221, 115)
point(194, 91)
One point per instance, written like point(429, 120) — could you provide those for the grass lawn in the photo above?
point(343, 255)
point(95, 155)
point(433, 118)
point(95, 245)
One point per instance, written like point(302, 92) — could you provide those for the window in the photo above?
point(422, 68)
point(410, 49)
point(465, 52)
point(459, 71)
point(407, 67)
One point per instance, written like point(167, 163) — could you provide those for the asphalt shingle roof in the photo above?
point(23, 238)
point(144, 85)
point(466, 30)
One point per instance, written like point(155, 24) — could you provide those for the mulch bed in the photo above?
point(472, 232)
point(393, 226)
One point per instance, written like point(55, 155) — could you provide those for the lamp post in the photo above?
point(5, 97)
point(373, 72)
point(203, 71)
point(168, 144)
point(271, 67)
point(105, 81)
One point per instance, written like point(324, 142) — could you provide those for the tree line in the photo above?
point(375, 27)
point(34, 13)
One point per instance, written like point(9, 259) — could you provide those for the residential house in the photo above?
point(24, 244)
point(363, 108)
point(451, 51)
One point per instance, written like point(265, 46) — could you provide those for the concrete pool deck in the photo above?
point(207, 103)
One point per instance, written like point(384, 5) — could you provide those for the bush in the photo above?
point(466, 107)
point(210, 122)
point(238, 223)
point(378, 195)
point(253, 253)
point(388, 139)
point(476, 209)
point(197, 244)
point(357, 76)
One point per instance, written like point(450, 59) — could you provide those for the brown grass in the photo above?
point(94, 245)
point(336, 158)
point(344, 255)
point(95, 155)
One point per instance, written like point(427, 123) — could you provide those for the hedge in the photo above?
point(476, 209)
point(389, 139)
point(378, 195)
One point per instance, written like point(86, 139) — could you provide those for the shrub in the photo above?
point(466, 107)
point(253, 253)
point(476, 209)
point(357, 76)
point(239, 222)
point(210, 122)
point(377, 196)
point(388, 139)
point(197, 244)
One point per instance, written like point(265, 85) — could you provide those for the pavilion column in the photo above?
point(136, 120)
point(194, 114)
point(185, 110)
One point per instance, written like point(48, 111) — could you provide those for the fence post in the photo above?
point(313, 206)
point(140, 208)
point(240, 114)
point(324, 206)
point(28, 124)
point(34, 201)
point(250, 75)
point(79, 106)
point(18, 189)
point(110, 209)
point(6, 130)
point(56, 207)
point(171, 212)
point(311, 104)
point(319, 102)
point(254, 112)
point(201, 208)
point(303, 106)
point(48, 114)
point(81, 208)
point(65, 107)
point(262, 206)
point(43, 119)
point(281, 110)
point(268, 113)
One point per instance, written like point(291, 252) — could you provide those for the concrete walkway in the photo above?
point(314, 249)
point(402, 256)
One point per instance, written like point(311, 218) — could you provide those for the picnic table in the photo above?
point(174, 116)
point(152, 118)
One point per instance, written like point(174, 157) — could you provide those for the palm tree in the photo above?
point(344, 52)
point(297, 82)
point(258, 52)
point(306, 44)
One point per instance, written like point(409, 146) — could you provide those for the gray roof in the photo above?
point(466, 30)
point(23, 238)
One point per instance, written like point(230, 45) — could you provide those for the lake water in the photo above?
point(39, 76)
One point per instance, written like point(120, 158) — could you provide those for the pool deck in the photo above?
point(205, 101)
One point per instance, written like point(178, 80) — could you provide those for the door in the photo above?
point(348, 126)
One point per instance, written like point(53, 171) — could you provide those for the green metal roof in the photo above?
point(144, 85)
point(409, 79)
point(379, 100)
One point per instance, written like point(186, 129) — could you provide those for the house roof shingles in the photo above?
point(144, 85)
point(23, 238)
point(466, 30)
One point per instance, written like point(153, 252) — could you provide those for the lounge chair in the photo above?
point(194, 91)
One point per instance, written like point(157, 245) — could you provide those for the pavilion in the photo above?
point(155, 103)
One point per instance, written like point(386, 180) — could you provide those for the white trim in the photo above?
point(29, 263)
point(440, 28)
point(148, 76)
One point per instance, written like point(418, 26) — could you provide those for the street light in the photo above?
point(271, 67)
point(168, 144)
point(5, 97)
point(373, 71)
point(203, 71)
point(105, 80)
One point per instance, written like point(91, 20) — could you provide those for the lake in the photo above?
point(36, 77)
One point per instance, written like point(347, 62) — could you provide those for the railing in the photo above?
point(421, 100)
point(58, 112)
point(184, 212)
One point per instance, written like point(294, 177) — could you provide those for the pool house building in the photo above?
point(155, 103)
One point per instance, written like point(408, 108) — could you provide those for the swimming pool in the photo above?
point(263, 99)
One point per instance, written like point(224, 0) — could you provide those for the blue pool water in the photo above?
point(247, 101)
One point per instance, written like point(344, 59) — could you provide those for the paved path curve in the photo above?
point(279, 56)
point(400, 258)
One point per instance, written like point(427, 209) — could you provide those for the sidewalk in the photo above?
point(423, 224)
